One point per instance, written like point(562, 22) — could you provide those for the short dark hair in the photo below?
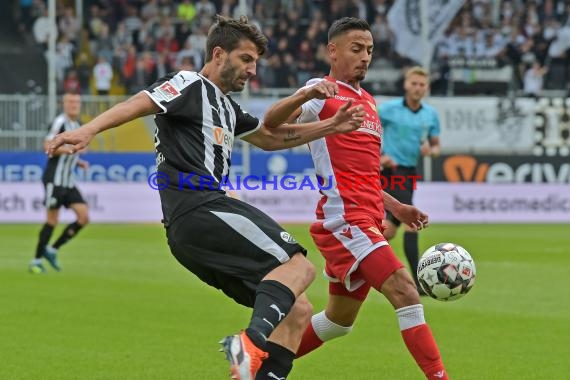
point(227, 33)
point(345, 24)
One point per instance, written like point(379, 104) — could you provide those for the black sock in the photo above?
point(412, 251)
point(70, 231)
point(45, 235)
point(273, 300)
point(279, 363)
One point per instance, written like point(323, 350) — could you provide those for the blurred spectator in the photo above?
point(71, 83)
point(69, 25)
point(41, 29)
point(103, 74)
point(83, 73)
point(186, 11)
point(189, 52)
point(534, 80)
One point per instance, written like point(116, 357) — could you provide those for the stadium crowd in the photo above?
point(130, 43)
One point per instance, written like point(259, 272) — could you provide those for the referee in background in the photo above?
point(411, 128)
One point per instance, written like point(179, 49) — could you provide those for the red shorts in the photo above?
point(345, 242)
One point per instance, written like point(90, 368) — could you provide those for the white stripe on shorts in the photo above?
point(253, 233)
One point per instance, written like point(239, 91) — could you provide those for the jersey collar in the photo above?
point(359, 91)
point(408, 107)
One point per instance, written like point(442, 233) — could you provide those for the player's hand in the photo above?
point(322, 90)
point(412, 217)
point(387, 161)
point(425, 149)
point(347, 118)
point(83, 164)
point(76, 141)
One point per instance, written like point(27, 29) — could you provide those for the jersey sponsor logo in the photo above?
point(167, 92)
point(287, 238)
point(344, 98)
point(370, 126)
point(223, 137)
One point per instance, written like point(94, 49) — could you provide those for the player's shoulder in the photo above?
point(313, 81)
point(395, 103)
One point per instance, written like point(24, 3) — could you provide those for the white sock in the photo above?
point(410, 316)
point(327, 329)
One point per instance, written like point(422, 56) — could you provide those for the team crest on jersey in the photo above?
point(167, 92)
point(287, 238)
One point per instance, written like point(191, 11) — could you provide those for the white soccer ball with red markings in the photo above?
point(446, 271)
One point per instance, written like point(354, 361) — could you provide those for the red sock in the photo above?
point(422, 346)
point(309, 342)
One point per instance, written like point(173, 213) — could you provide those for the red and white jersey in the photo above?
point(344, 162)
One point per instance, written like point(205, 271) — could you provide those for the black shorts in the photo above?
point(57, 196)
point(405, 194)
point(230, 245)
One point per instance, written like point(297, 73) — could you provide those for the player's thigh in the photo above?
point(231, 238)
point(343, 309)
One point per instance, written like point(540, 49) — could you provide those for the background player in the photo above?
point(225, 242)
point(411, 128)
point(60, 189)
point(349, 228)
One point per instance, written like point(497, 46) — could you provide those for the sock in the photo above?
point(309, 342)
point(273, 301)
point(278, 364)
point(45, 235)
point(70, 231)
point(320, 330)
point(411, 250)
point(420, 342)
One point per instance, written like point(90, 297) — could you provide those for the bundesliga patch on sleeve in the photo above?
point(166, 92)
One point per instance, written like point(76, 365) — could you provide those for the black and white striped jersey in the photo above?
point(196, 128)
point(59, 169)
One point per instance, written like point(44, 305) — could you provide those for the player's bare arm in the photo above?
point(136, 106)
point(407, 214)
point(289, 108)
point(347, 119)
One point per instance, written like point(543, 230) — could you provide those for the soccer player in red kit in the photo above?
point(349, 228)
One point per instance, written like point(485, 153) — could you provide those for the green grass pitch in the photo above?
point(123, 308)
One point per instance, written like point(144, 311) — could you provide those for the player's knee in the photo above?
point(306, 270)
point(83, 219)
point(301, 311)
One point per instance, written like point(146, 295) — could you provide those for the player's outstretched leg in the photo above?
point(275, 296)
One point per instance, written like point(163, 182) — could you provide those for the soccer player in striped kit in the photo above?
point(349, 229)
point(60, 189)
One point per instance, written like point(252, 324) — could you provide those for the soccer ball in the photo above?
point(446, 271)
